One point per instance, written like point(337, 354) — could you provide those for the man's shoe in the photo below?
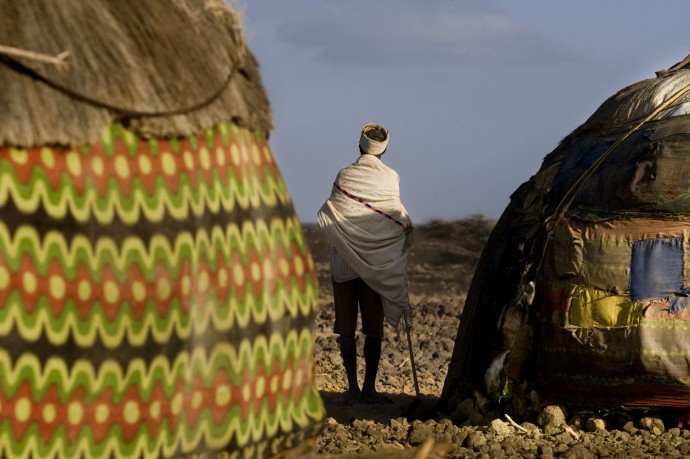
point(374, 398)
point(352, 397)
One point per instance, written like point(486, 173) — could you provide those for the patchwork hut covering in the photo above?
point(582, 292)
point(156, 290)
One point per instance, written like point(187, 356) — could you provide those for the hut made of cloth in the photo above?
point(156, 290)
point(581, 294)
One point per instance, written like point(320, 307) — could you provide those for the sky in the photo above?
point(474, 93)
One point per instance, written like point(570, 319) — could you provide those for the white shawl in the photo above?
point(372, 244)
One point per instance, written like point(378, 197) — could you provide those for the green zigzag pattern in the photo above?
point(208, 244)
point(257, 425)
point(251, 352)
point(124, 328)
point(257, 307)
point(245, 191)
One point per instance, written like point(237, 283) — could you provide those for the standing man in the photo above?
point(370, 231)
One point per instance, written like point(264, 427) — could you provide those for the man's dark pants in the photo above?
point(352, 297)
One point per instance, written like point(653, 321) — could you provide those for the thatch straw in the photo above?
point(131, 61)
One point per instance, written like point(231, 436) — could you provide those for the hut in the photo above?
point(581, 294)
point(156, 290)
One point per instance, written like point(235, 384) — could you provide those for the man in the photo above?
point(370, 231)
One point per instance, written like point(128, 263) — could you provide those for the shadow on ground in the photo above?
point(401, 405)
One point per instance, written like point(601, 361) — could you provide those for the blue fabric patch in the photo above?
point(656, 268)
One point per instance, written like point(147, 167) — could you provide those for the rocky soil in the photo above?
point(440, 270)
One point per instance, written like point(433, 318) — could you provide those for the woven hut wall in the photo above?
point(156, 290)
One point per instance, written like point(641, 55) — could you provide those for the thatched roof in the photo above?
point(133, 61)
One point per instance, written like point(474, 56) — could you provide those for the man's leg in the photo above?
point(348, 351)
point(372, 356)
point(345, 299)
point(372, 324)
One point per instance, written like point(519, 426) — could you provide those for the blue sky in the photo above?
point(475, 93)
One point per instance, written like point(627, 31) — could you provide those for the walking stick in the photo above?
point(417, 401)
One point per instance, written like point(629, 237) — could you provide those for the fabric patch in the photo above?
point(599, 254)
point(656, 268)
point(568, 258)
point(662, 315)
point(679, 301)
point(592, 308)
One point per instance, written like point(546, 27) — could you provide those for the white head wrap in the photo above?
point(374, 139)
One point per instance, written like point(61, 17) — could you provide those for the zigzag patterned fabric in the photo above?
point(156, 300)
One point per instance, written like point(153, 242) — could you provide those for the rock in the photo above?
point(621, 436)
point(668, 450)
point(529, 426)
point(403, 422)
point(500, 427)
point(551, 431)
point(331, 422)
point(496, 451)
point(463, 452)
point(652, 424)
point(443, 431)
point(603, 451)
point(475, 440)
point(341, 435)
point(360, 425)
point(596, 425)
point(377, 432)
point(578, 452)
point(684, 448)
point(445, 425)
point(552, 416)
point(630, 428)
point(565, 438)
point(459, 437)
point(443, 438)
point(545, 451)
point(419, 432)
point(561, 448)
point(398, 429)
point(633, 452)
